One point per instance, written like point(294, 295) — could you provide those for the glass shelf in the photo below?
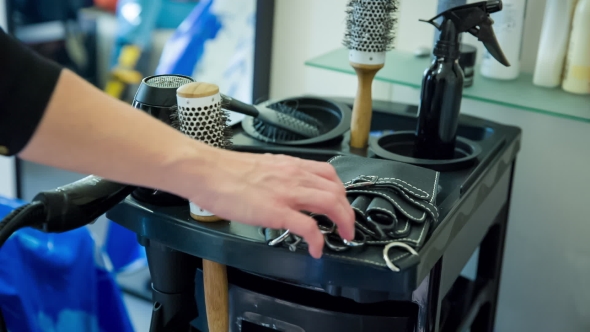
point(404, 68)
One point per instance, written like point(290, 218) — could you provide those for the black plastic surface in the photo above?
point(361, 276)
point(172, 286)
point(258, 304)
point(157, 197)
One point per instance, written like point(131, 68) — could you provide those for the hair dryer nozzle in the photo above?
point(159, 90)
point(156, 95)
point(494, 6)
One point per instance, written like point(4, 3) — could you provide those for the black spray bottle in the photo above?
point(442, 85)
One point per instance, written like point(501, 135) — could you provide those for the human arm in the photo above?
point(84, 130)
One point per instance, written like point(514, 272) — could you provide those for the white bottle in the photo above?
point(577, 68)
point(554, 43)
point(509, 27)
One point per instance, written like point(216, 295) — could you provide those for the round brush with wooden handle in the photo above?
point(369, 35)
point(201, 117)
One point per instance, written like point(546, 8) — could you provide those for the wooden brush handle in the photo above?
point(216, 289)
point(362, 110)
point(216, 296)
point(200, 100)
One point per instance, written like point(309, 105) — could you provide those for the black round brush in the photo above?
point(276, 121)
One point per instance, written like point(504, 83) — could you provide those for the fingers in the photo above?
point(340, 203)
point(319, 190)
point(295, 185)
point(317, 182)
point(306, 227)
point(336, 208)
point(322, 169)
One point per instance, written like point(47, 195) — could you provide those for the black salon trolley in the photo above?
point(274, 289)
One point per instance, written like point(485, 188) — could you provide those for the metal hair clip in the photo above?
point(362, 181)
point(390, 265)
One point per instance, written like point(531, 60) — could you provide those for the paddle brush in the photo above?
point(200, 116)
point(369, 35)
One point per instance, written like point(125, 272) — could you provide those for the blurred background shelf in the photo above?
point(405, 69)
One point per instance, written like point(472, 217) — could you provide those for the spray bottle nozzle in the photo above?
point(475, 19)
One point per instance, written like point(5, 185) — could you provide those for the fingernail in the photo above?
point(350, 236)
point(317, 255)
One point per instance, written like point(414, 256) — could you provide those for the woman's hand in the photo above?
point(272, 190)
point(86, 131)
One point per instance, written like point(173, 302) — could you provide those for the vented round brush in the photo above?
point(269, 133)
point(200, 116)
point(369, 35)
point(276, 119)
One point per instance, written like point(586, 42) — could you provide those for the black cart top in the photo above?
point(244, 247)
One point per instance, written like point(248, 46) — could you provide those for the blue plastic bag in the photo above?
point(137, 20)
point(123, 250)
point(57, 282)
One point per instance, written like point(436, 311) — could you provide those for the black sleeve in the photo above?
point(27, 81)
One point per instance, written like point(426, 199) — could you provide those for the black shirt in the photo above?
point(27, 81)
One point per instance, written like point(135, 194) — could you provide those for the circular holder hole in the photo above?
point(334, 116)
point(399, 146)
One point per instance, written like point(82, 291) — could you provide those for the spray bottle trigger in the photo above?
point(486, 35)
